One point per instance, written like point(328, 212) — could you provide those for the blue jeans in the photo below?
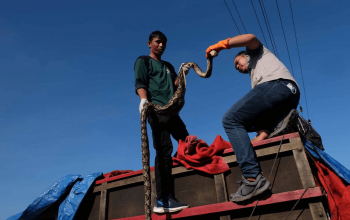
point(262, 108)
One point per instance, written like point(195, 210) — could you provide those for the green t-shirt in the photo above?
point(156, 77)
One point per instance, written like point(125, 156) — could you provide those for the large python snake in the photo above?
point(173, 107)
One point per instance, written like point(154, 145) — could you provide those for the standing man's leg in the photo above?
point(177, 129)
point(164, 148)
point(160, 125)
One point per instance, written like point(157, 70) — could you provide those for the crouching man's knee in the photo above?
point(229, 119)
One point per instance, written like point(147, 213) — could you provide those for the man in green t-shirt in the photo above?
point(155, 81)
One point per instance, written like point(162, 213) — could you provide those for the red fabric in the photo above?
point(196, 154)
point(116, 173)
point(338, 194)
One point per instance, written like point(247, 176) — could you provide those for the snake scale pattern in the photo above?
point(173, 107)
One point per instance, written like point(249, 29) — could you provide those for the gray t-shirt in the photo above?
point(264, 66)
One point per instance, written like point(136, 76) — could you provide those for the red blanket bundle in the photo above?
point(196, 154)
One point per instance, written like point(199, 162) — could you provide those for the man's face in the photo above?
point(241, 64)
point(157, 46)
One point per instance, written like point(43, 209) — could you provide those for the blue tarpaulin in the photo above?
point(57, 191)
point(70, 205)
point(334, 165)
point(72, 185)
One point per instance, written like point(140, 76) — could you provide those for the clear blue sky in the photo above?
point(68, 104)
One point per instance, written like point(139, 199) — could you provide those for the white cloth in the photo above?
point(142, 103)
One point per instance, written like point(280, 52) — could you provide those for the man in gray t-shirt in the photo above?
point(264, 66)
point(274, 94)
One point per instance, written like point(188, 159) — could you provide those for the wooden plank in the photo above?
point(265, 151)
point(269, 141)
point(122, 176)
point(284, 177)
point(195, 189)
point(302, 163)
point(103, 204)
point(120, 183)
point(178, 170)
point(317, 210)
point(221, 192)
point(225, 217)
point(229, 206)
point(126, 201)
point(307, 179)
point(220, 187)
point(124, 182)
point(258, 143)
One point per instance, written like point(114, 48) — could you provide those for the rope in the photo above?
point(301, 70)
point(239, 16)
point(268, 22)
point(232, 17)
point(267, 27)
point(273, 165)
point(285, 40)
point(276, 158)
point(258, 22)
point(297, 202)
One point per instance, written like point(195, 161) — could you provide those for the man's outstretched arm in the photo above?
point(245, 40)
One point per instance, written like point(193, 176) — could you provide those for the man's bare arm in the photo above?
point(245, 40)
point(142, 93)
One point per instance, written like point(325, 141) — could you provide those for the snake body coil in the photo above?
point(173, 107)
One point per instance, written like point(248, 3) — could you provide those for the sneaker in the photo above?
point(286, 125)
point(169, 204)
point(248, 189)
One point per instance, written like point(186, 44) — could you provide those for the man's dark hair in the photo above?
point(242, 54)
point(156, 34)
